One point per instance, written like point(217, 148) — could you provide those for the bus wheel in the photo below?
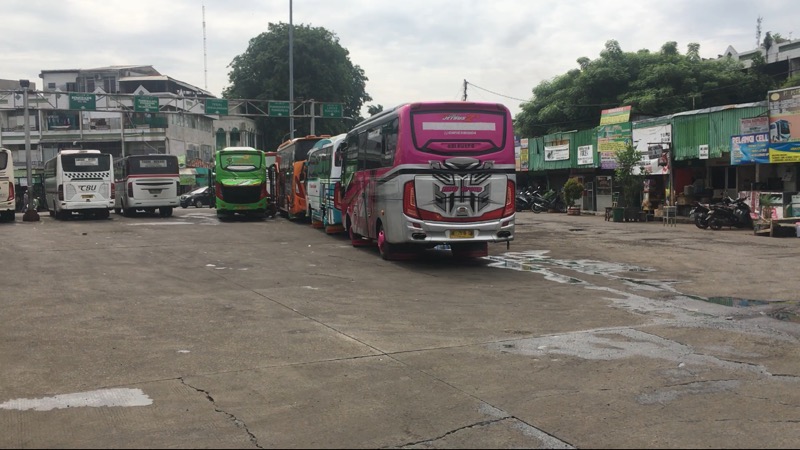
point(103, 214)
point(165, 211)
point(128, 212)
point(470, 250)
point(117, 210)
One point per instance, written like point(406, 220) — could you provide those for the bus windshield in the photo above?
point(86, 162)
point(153, 165)
point(241, 162)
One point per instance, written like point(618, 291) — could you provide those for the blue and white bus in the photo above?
point(324, 171)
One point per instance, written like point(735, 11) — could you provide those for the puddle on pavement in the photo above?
point(537, 261)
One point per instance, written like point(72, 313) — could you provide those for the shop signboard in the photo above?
point(523, 155)
point(585, 155)
point(615, 115)
point(610, 140)
point(84, 102)
point(784, 115)
point(785, 152)
point(653, 144)
point(750, 148)
point(556, 152)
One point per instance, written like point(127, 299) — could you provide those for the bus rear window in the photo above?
point(85, 163)
point(157, 165)
point(459, 132)
point(3, 160)
point(241, 162)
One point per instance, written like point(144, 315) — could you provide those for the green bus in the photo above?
point(240, 182)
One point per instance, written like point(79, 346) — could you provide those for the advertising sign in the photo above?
point(653, 144)
point(754, 125)
point(523, 154)
point(585, 154)
point(784, 115)
point(786, 152)
point(610, 140)
point(556, 152)
point(615, 115)
point(750, 148)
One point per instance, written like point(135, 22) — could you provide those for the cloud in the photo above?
point(410, 50)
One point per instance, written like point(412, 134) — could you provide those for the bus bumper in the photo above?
point(448, 232)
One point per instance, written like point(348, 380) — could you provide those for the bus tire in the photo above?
point(117, 210)
point(102, 214)
point(128, 212)
point(165, 211)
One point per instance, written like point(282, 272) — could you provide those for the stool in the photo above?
point(669, 216)
point(608, 213)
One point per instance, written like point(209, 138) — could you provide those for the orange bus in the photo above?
point(290, 188)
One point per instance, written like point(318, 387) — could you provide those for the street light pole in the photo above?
point(291, 71)
point(30, 215)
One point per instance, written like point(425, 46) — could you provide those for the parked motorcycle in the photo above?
point(550, 200)
point(524, 199)
point(736, 214)
point(699, 213)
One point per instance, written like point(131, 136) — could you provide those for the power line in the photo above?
point(491, 92)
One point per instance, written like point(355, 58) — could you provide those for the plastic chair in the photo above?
point(669, 215)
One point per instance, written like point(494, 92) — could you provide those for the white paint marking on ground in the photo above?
point(104, 397)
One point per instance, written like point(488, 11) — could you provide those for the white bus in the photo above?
point(7, 200)
point(147, 182)
point(80, 181)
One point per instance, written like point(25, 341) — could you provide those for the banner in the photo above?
point(556, 152)
point(653, 144)
point(615, 115)
point(585, 155)
point(787, 152)
point(750, 148)
point(784, 115)
point(611, 139)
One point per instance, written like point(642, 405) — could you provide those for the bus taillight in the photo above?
point(10, 191)
point(264, 193)
point(509, 208)
point(410, 200)
point(61, 192)
point(218, 190)
point(130, 189)
point(113, 190)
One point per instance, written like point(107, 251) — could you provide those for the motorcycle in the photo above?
point(699, 213)
point(524, 199)
point(550, 200)
point(736, 214)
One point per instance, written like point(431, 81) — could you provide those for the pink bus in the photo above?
point(430, 173)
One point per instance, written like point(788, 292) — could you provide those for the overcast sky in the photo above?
point(410, 50)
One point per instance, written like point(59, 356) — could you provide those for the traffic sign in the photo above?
point(217, 106)
point(278, 109)
point(331, 110)
point(145, 103)
point(86, 102)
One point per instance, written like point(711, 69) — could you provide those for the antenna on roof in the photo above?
point(205, 57)
point(758, 31)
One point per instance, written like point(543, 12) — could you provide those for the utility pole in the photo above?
point(291, 72)
point(30, 215)
point(464, 97)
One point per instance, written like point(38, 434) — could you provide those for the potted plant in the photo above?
point(628, 175)
point(573, 190)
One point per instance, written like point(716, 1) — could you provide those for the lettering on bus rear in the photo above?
point(459, 133)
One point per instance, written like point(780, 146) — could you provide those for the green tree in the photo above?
point(627, 177)
point(654, 84)
point(374, 109)
point(322, 72)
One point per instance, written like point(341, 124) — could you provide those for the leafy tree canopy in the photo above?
point(322, 71)
point(654, 84)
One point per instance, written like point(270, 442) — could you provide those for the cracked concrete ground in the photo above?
point(271, 334)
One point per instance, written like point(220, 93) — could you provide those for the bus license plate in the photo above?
point(87, 196)
point(461, 234)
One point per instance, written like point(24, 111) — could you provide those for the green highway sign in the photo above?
point(86, 102)
point(279, 109)
point(217, 106)
point(146, 104)
point(331, 110)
